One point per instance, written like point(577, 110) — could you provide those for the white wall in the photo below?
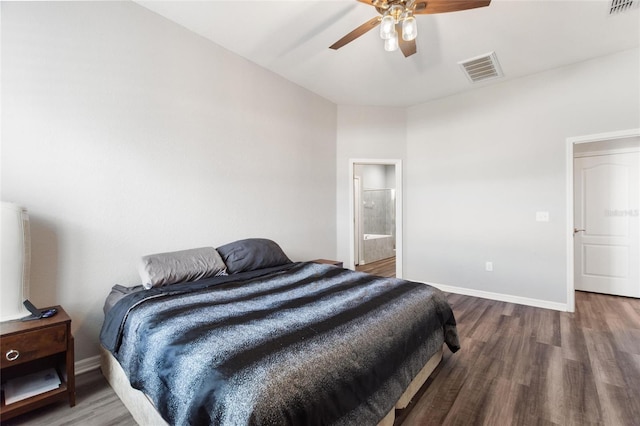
point(125, 134)
point(363, 133)
point(480, 164)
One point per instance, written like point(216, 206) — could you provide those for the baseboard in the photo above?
point(502, 297)
point(87, 364)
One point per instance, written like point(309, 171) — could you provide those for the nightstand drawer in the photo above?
point(31, 345)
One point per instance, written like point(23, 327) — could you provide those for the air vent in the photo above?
point(619, 6)
point(482, 68)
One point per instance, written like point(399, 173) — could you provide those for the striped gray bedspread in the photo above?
point(309, 345)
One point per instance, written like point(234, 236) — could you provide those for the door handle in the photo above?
point(576, 230)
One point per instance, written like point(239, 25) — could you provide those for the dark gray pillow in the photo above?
point(252, 254)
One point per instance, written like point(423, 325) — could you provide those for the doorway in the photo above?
point(376, 216)
point(602, 214)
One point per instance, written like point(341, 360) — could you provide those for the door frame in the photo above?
point(357, 218)
point(570, 143)
point(385, 162)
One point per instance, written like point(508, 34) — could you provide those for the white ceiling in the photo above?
point(292, 38)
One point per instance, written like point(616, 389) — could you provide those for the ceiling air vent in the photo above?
point(619, 6)
point(482, 68)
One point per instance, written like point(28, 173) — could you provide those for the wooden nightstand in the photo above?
point(328, 262)
point(31, 346)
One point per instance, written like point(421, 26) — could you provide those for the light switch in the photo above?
point(542, 216)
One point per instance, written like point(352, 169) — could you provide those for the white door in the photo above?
point(606, 216)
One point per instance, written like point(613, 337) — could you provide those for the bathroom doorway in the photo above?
point(376, 216)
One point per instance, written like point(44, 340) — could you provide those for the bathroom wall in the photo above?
point(378, 214)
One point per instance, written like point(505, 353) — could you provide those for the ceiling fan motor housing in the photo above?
point(395, 7)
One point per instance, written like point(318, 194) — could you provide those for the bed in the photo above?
point(267, 341)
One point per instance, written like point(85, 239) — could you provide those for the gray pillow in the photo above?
point(180, 266)
point(252, 254)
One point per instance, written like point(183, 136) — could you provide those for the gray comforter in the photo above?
point(309, 345)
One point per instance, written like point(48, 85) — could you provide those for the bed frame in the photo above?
point(145, 413)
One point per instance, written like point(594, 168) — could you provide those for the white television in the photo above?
point(15, 261)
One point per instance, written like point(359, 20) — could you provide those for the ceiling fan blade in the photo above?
point(408, 47)
point(443, 6)
point(369, 25)
point(374, 3)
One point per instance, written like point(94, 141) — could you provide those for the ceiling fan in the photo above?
point(396, 18)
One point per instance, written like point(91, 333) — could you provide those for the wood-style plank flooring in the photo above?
point(96, 405)
point(528, 366)
point(518, 366)
point(382, 268)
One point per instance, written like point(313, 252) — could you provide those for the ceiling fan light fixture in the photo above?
point(395, 13)
point(387, 27)
point(391, 44)
point(409, 28)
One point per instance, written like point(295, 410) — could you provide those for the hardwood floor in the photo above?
point(96, 405)
point(382, 268)
point(518, 366)
point(527, 366)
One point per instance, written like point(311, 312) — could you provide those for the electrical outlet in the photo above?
point(542, 216)
point(488, 266)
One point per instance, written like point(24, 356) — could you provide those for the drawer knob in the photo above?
point(12, 355)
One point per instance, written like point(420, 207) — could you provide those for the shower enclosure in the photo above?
point(378, 224)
